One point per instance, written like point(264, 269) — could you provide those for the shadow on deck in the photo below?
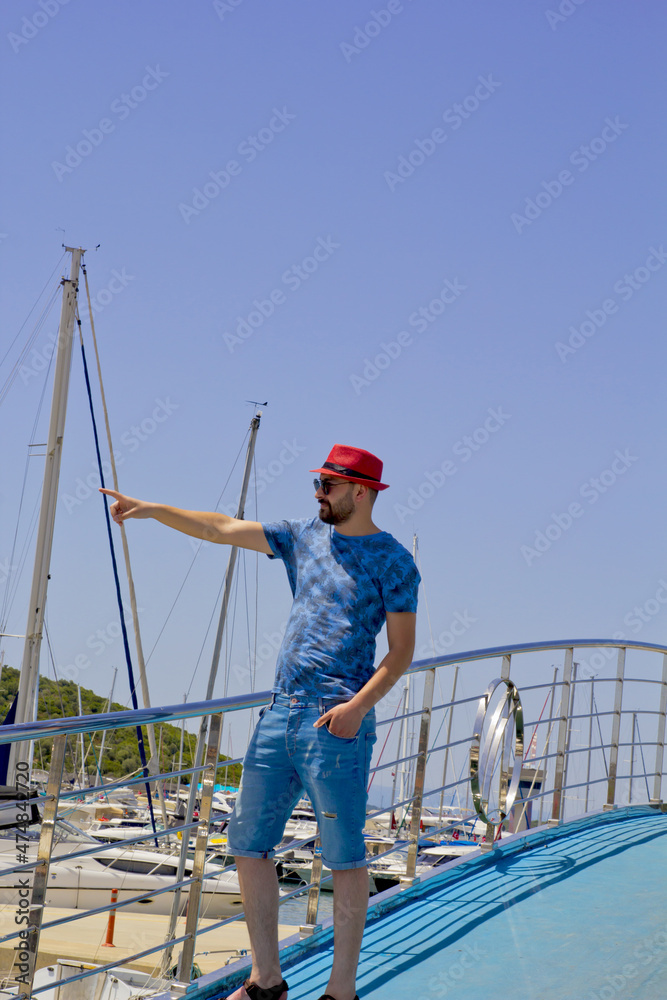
point(575, 912)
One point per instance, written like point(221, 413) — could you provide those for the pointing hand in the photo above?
point(125, 507)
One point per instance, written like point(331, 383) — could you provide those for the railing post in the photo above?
point(41, 877)
point(194, 897)
point(505, 668)
point(590, 743)
point(449, 737)
point(632, 757)
point(615, 730)
point(310, 925)
point(547, 743)
point(420, 774)
point(559, 773)
point(656, 800)
point(570, 713)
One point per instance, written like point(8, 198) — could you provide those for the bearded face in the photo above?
point(337, 510)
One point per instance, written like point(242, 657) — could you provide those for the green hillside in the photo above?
point(121, 753)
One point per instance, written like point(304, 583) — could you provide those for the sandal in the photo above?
point(327, 996)
point(251, 991)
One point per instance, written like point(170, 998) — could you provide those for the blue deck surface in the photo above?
point(582, 916)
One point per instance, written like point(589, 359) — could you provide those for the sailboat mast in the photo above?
point(215, 661)
point(82, 779)
point(29, 677)
point(104, 732)
point(229, 575)
point(180, 758)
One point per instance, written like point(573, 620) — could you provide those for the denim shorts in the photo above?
point(287, 755)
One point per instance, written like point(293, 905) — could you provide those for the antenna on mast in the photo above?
point(257, 404)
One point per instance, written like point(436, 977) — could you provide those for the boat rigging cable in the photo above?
point(442, 696)
point(597, 719)
point(399, 705)
point(119, 598)
point(641, 751)
point(14, 578)
point(47, 708)
point(189, 570)
point(36, 329)
point(16, 568)
point(153, 764)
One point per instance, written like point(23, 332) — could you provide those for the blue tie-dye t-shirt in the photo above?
point(343, 586)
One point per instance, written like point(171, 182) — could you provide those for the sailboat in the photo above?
point(141, 874)
point(25, 708)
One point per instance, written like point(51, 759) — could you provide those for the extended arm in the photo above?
point(208, 525)
point(344, 720)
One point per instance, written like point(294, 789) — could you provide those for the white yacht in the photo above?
point(84, 883)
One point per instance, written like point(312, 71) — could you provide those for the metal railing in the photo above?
point(548, 779)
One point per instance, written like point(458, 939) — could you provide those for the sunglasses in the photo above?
point(326, 485)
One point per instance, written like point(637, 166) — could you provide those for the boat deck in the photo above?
point(581, 915)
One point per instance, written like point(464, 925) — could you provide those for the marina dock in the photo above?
point(134, 932)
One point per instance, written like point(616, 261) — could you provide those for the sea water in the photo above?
point(293, 911)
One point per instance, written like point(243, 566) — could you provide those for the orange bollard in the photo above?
point(112, 921)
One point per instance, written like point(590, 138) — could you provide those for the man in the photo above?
point(347, 577)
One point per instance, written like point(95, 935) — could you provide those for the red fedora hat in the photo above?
point(356, 465)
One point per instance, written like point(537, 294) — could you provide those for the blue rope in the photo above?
point(121, 610)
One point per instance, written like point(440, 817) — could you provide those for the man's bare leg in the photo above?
point(350, 906)
point(259, 888)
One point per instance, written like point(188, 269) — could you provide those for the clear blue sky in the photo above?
point(459, 211)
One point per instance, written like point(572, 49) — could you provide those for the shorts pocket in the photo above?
point(341, 739)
